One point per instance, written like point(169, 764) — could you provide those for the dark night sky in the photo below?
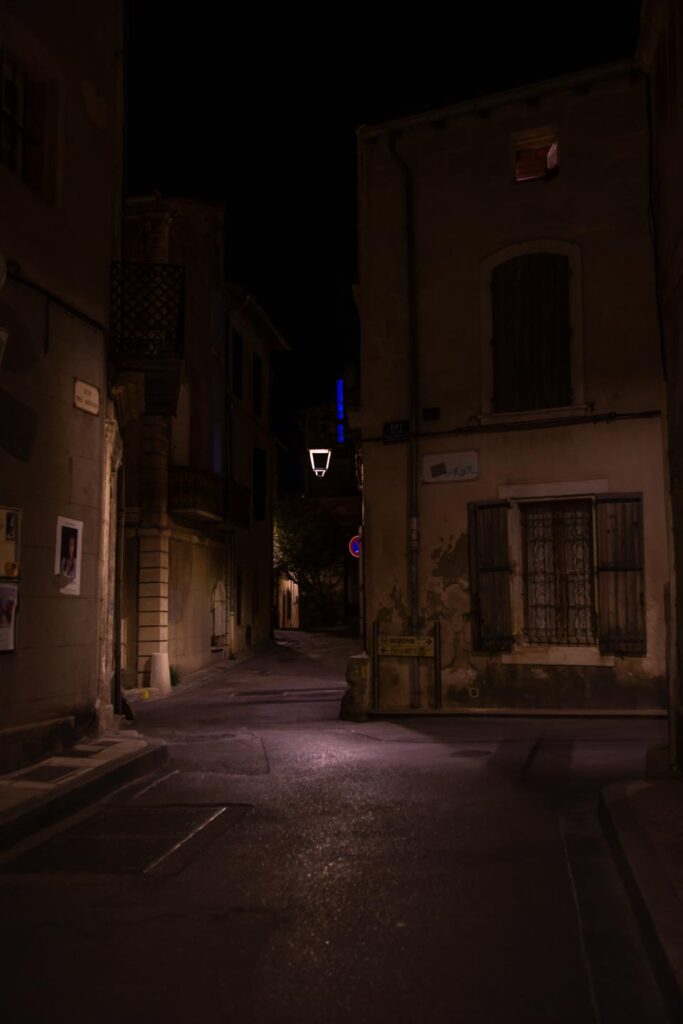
point(259, 109)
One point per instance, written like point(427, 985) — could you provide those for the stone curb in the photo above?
point(41, 810)
point(654, 899)
point(197, 678)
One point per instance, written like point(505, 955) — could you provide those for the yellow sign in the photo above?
point(406, 646)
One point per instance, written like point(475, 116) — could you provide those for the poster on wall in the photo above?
point(69, 554)
point(8, 613)
point(9, 541)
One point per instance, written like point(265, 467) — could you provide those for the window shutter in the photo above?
point(490, 576)
point(35, 130)
point(531, 332)
point(621, 589)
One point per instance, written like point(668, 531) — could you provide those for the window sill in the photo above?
point(529, 415)
point(557, 654)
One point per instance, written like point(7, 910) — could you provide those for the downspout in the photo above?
point(413, 396)
point(118, 586)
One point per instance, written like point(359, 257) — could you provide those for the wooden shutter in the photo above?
point(34, 135)
point(490, 576)
point(531, 332)
point(621, 588)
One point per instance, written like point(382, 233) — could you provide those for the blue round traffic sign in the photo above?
point(354, 546)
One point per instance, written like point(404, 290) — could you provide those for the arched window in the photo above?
point(532, 331)
point(219, 616)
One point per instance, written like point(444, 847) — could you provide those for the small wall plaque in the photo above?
point(448, 467)
point(87, 397)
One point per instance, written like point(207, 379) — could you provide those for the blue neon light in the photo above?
point(340, 412)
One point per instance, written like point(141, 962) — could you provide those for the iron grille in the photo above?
point(148, 310)
point(559, 601)
point(195, 491)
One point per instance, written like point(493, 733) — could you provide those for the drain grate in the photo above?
point(128, 840)
point(46, 773)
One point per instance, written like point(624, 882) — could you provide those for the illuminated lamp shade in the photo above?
point(320, 460)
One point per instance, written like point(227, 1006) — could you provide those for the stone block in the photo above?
point(152, 634)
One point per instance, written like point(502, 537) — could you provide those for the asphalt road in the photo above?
point(288, 867)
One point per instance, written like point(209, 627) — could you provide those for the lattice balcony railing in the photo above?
point(147, 310)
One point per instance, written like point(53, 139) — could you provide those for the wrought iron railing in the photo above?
point(147, 310)
point(202, 495)
point(195, 492)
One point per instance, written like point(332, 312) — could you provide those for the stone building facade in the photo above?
point(199, 462)
point(515, 491)
point(60, 174)
point(661, 55)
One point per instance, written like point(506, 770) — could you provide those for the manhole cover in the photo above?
point(470, 753)
point(128, 840)
point(46, 773)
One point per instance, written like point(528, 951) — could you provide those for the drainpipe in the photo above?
point(118, 586)
point(414, 396)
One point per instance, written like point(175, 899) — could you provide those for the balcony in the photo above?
point(148, 328)
point(207, 498)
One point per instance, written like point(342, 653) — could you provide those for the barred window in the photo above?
point(582, 572)
point(559, 600)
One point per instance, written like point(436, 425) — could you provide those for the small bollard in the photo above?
point(356, 701)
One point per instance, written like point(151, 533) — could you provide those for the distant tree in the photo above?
point(308, 549)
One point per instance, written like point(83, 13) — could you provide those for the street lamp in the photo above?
point(320, 460)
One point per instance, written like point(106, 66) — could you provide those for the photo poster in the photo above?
point(69, 554)
point(9, 541)
point(9, 594)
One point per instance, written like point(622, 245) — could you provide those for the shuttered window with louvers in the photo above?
point(531, 333)
point(490, 576)
point(621, 589)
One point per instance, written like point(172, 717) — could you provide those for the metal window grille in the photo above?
point(559, 596)
point(148, 309)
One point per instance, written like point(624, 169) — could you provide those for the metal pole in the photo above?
point(413, 367)
point(375, 665)
point(118, 586)
point(437, 664)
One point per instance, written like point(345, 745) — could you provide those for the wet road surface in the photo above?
point(288, 867)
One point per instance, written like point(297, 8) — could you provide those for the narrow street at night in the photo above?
point(286, 866)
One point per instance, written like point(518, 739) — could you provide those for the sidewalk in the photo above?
point(38, 795)
point(643, 821)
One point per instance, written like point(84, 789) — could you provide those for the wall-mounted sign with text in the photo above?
point(396, 430)
point(87, 397)
point(450, 467)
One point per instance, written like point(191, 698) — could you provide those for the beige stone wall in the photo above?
point(196, 565)
point(51, 453)
point(469, 212)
